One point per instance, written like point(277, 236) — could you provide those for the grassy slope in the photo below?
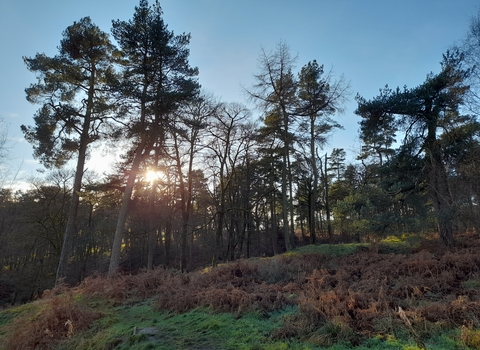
point(341, 296)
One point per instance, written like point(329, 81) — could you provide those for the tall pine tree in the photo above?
point(71, 90)
point(157, 79)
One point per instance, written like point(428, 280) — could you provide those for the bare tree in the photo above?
point(470, 48)
point(4, 152)
point(226, 147)
point(275, 92)
point(187, 133)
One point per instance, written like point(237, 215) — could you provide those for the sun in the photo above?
point(152, 175)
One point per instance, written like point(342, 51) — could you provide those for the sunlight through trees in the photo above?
point(200, 181)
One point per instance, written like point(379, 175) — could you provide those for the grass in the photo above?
point(139, 327)
point(333, 297)
point(473, 283)
point(332, 250)
point(202, 329)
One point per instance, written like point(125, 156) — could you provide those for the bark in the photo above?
point(185, 201)
point(274, 228)
point(313, 201)
point(221, 217)
point(218, 237)
point(185, 216)
point(122, 215)
point(183, 246)
point(168, 241)
point(286, 231)
point(151, 228)
point(440, 194)
point(290, 206)
point(70, 229)
point(231, 238)
point(327, 204)
point(273, 215)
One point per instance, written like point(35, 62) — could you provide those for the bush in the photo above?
point(55, 318)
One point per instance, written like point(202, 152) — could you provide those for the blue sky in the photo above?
point(370, 42)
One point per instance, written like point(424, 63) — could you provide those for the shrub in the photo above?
point(56, 318)
point(470, 337)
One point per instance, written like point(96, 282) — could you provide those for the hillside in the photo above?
point(393, 295)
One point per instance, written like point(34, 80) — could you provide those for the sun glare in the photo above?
point(152, 175)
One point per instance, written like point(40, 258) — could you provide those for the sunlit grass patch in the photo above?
point(400, 244)
point(411, 239)
point(141, 327)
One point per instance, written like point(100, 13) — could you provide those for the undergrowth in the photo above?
point(367, 297)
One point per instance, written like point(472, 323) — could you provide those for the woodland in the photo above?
point(201, 182)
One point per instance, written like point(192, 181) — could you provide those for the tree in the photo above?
point(227, 146)
point(319, 97)
point(270, 152)
point(4, 152)
point(157, 79)
point(33, 242)
point(275, 93)
point(71, 88)
point(337, 162)
point(461, 145)
point(470, 47)
point(423, 113)
point(378, 137)
point(188, 129)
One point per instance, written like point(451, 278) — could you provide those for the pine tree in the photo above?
point(71, 89)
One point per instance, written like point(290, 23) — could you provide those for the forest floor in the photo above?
point(402, 293)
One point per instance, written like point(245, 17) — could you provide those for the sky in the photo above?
point(370, 42)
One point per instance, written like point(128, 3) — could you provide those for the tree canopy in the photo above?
point(201, 181)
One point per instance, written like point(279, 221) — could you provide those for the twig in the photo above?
point(414, 334)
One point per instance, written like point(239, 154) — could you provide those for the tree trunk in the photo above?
point(168, 241)
point(327, 203)
point(218, 237)
point(122, 215)
point(285, 173)
point(152, 230)
point(441, 197)
point(437, 176)
point(290, 205)
point(70, 230)
point(313, 201)
point(183, 245)
point(232, 233)
point(274, 228)
point(286, 231)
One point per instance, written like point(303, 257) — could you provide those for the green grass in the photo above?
point(402, 244)
point(328, 249)
point(394, 244)
point(202, 329)
point(197, 329)
point(138, 326)
point(7, 316)
point(473, 283)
